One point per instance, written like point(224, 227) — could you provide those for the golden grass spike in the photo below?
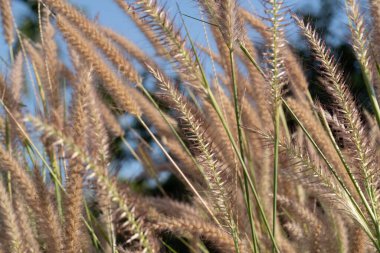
point(358, 243)
point(110, 120)
point(187, 164)
point(7, 21)
point(292, 66)
point(224, 14)
point(131, 48)
point(10, 228)
point(49, 225)
point(219, 135)
point(52, 82)
point(19, 175)
point(11, 98)
point(74, 197)
point(305, 218)
point(375, 11)
point(314, 177)
point(212, 169)
point(212, 234)
point(320, 136)
point(95, 34)
point(6, 94)
point(259, 90)
point(296, 75)
point(142, 25)
point(345, 108)
point(107, 183)
point(113, 84)
point(99, 151)
point(34, 53)
point(359, 34)
point(25, 221)
point(170, 37)
point(17, 77)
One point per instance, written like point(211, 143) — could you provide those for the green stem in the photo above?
point(11, 53)
point(332, 170)
point(276, 88)
point(240, 134)
point(56, 169)
point(348, 170)
point(174, 131)
point(241, 144)
point(8, 135)
point(369, 179)
point(236, 150)
point(252, 60)
point(230, 136)
point(31, 147)
point(9, 148)
point(142, 122)
point(275, 164)
point(90, 217)
point(372, 98)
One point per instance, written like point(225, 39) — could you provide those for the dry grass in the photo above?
point(265, 167)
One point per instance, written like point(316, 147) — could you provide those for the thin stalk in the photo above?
point(51, 153)
point(190, 247)
point(174, 131)
point(8, 135)
point(236, 103)
point(251, 59)
point(54, 176)
point(276, 89)
point(148, 166)
point(193, 98)
point(372, 97)
point(357, 26)
point(168, 246)
point(278, 113)
point(348, 170)
point(241, 143)
point(240, 134)
point(249, 204)
point(257, 66)
point(130, 148)
point(55, 166)
point(30, 145)
point(95, 239)
point(9, 148)
point(236, 150)
point(332, 170)
point(249, 208)
point(230, 136)
point(141, 121)
point(11, 53)
point(375, 105)
point(284, 123)
point(275, 164)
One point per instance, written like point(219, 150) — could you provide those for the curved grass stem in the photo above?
point(336, 176)
point(372, 212)
point(217, 109)
point(241, 145)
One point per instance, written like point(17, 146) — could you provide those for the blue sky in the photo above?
point(109, 15)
